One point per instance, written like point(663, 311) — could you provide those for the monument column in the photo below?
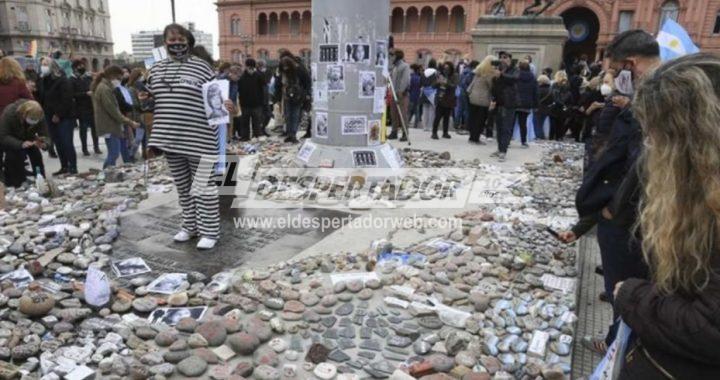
point(349, 64)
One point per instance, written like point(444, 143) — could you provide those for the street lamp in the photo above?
point(247, 41)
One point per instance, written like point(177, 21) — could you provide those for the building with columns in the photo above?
point(442, 28)
point(78, 28)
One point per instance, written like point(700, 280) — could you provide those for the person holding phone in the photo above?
point(181, 131)
point(22, 134)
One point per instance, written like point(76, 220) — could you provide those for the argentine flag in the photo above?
point(674, 41)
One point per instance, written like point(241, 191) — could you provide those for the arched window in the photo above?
point(235, 26)
point(442, 20)
point(273, 27)
point(236, 56)
point(262, 24)
point(669, 10)
point(284, 24)
point(457, 20)
point(396, 23)
point(412, 20)
point(427, 20)
point(306, 27)
point(295, 23)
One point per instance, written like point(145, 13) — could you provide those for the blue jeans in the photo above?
point(292, 118)
point(415, 111)
point(539, 123)
point(62, 135)
point(460, 116)
point(139, 140)
point(504, 122)
point(87, 123)
point(116, 147)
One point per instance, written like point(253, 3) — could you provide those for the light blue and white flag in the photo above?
point(674, 41)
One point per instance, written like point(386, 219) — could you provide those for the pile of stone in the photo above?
point(494, 300)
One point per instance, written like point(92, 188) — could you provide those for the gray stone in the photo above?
point(192, 366)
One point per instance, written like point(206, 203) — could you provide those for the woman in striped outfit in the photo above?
point(181, 131)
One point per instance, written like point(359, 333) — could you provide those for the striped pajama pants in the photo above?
point(199, 198)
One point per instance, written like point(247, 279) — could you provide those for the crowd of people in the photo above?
point(652, 170)
point(490, 97)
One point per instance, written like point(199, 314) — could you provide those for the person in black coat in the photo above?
point(505, 95)
point(445, 99)
point(527, 95)
point(251, 96)
point(81, 80)
point(56, 98)
point(635, 52)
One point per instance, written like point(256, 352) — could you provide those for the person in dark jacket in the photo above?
point(296, 90)
point(527, 98)
point(81, 80)
point(251, 89)
point(632, 54)
point(22, 134)
point(267, 107)
point(545, 101)
point(56, 98)
point(674, 314)
point(561, 106)
point(505, 94)
point(415, 91)
point(445, 99)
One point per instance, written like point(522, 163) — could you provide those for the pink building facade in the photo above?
point(442, 28)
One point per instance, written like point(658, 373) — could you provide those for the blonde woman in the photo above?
point(480, 96)
point(676, 315)
point(560, 108)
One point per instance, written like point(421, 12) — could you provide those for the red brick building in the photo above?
point(443, 27)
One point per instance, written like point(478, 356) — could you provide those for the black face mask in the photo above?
point(81, 70)
point(178, 50)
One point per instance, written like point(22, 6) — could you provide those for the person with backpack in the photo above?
point(445, 99)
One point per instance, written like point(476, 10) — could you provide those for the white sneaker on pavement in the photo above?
point(206, 243)
point(183, 236)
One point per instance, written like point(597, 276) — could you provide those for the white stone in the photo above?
point(325, 371)
point(80, 373)
point(538, 344)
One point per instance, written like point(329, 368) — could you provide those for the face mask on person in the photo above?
point(31, 121)
point(116, 82)
point(606, 89)
point(624, 82)
point(178, 50)
point(81, 70)
point(251, 70)
point(44, 70)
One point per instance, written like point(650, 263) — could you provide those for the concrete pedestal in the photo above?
point(541, 37)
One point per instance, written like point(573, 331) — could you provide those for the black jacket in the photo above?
point(445, 96)
point(14, 130)
point(83, 101)
point(601, 182)
point(251, 90)
point(679, 333)
point(545, 98)
point(504, 89)
point(527, 90)
point(56, 96)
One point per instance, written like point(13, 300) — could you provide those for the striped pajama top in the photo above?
point(180, 124)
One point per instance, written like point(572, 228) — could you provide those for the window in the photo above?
point(236, 56)
point(100, 5)
point(235, 27)
point(716, 28)
point(22, 18)
point(625, 22)
point(48, 20)
point(669, 10)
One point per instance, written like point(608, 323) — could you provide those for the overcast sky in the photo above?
point(130, 16)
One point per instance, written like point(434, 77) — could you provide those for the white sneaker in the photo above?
point(206, 243)
point(501, 157)
point(183, 236)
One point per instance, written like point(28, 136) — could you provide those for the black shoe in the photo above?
point(306, 136)
point(98, 151)
point(86, 153)
point(446, 136)
point(403, 138)
point(434, 137)
point(61, 172)
point(72, 171)
point(291, 140)
point(393, 136)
